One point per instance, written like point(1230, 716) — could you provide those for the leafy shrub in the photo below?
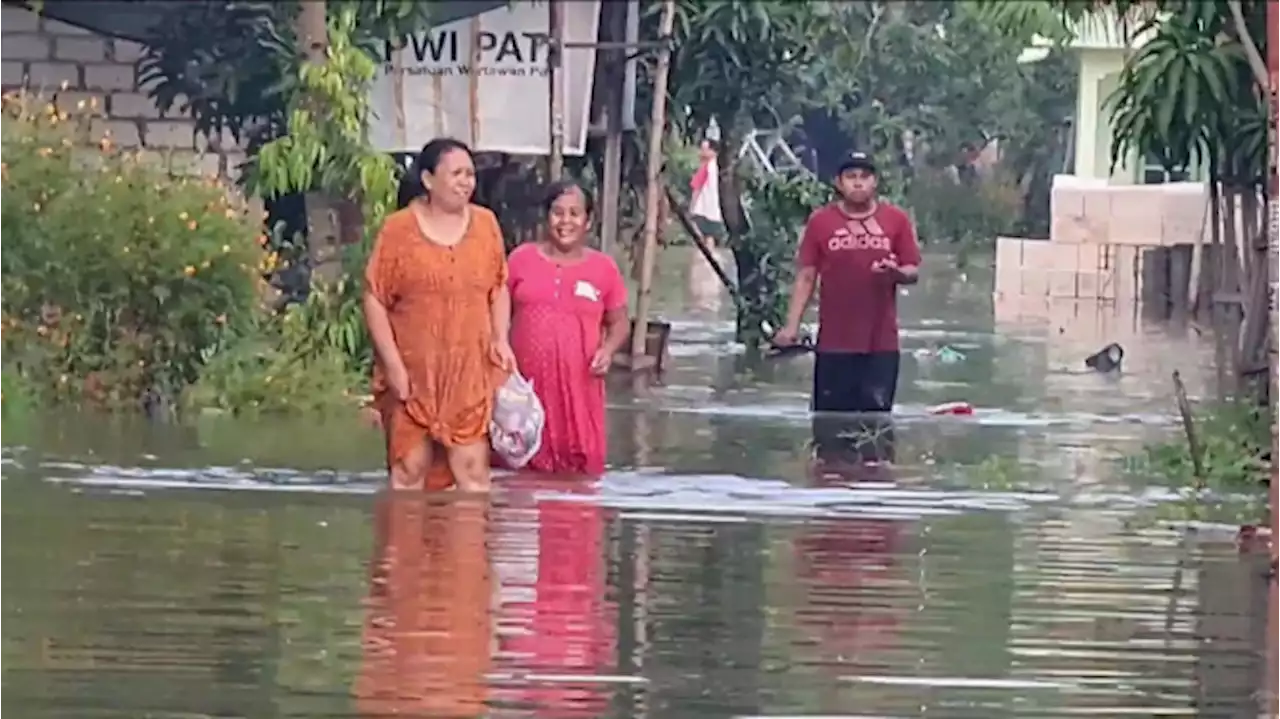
point(16, 397)
point(280, 368)
point(119, 278)
point(1235, 439)
point(332, 321)
point(968, 215)
point(777, 207)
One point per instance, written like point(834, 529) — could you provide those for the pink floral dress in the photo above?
point(557, 322)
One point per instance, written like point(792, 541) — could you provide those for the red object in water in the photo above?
point(959, 409)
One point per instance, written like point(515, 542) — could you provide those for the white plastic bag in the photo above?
point(515, 432)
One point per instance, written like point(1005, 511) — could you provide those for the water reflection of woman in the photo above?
point(427, 633)
point(560, 625)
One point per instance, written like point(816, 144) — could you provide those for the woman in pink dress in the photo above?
point(568, 318)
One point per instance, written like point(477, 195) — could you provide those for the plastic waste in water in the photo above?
point(948, 355)
point(944, 354)
point(959, 409)
point(515, 432)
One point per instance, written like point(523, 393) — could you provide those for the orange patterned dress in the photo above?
point(438, 299)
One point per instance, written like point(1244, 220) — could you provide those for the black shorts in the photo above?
point(855, 382)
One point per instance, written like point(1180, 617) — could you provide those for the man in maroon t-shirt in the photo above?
point(859, 249)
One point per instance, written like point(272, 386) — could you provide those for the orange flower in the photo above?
point(192, 225)
point(189, 270)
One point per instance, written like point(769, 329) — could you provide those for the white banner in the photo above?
point(484, 80)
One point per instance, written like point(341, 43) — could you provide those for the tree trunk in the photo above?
point(324, 219)
point(1230, 255)
point(735, 223)
point(1257, 317)
point(1207, 282)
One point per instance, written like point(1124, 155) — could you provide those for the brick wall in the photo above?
point(72, 66)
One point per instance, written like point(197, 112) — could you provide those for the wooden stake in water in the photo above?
point(1272, 228)
point(555, 82)
point(653, 187)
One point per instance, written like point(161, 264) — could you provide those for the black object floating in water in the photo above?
point(1107, 359)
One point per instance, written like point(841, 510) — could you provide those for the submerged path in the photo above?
point(1003, 565)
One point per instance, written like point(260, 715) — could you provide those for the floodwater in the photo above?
point(1004, 565)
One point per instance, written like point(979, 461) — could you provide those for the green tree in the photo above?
point(1199, 91)
point(910, 81)
point(235, 65)
point(744, 65)
point(1196, 92)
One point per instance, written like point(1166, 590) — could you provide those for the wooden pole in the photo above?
point(653, 187)
point(613, 75)
point(555, 80)
point(700, 241)
point(1272, 702)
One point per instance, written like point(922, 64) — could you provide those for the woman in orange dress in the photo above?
point(439, 312)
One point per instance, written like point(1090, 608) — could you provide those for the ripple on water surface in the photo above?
point(716, 571)
point(639, 594)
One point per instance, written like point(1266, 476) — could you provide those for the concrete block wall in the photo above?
point(1045, 269)
point(85, 72)
point(1129, 243)
point(1132, 215)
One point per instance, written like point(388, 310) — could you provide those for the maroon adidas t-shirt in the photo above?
point(857, 308)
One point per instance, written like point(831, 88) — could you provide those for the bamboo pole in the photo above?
point(653, 187)
point(555, 82)
point(613, 75)
point(1272, 229)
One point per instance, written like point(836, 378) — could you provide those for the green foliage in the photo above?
point(17, 396)
point(968, 215)
point(1186, 98)
point(333, 318)
point(743, 63)
point(778, 209)
point(326, 146)
point(1187, 94)
point(910, 81)
point(235, 65)
point(119, 278)
point(326, 150)
point(280, 368)
point(1236, 438)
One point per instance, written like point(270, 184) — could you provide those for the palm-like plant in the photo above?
point(1197, 92)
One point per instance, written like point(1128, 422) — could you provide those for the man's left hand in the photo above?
point(886, 265)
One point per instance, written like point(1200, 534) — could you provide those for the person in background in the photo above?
point(438, 310)
point(704, 195)
point(569, 317)
point(860, 249)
